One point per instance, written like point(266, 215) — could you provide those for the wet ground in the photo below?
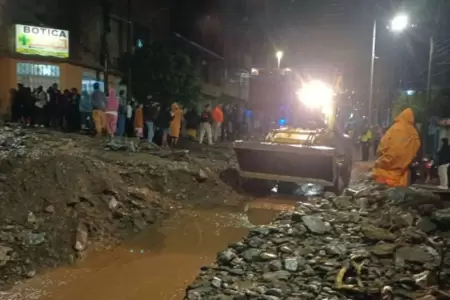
point(161, 262)
point(158, 264)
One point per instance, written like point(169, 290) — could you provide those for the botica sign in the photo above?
point(34, 40)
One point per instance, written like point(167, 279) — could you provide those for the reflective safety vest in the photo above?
point(367, 136)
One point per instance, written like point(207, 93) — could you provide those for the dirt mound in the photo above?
point(45, 202)
point(65, 195)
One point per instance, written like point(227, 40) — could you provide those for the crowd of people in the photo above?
point(112, 115)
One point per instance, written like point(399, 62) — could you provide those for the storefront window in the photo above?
point(34, 75)
point(87, 83)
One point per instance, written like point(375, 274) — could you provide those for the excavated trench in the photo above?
point(160, 262)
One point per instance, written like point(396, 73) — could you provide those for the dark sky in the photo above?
point(326, 34)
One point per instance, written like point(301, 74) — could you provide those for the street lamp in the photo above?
point(279, 56)
point(398, 24)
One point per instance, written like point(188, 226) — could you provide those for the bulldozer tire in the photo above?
point(258, 187)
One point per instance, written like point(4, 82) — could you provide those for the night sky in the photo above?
point(327, 34)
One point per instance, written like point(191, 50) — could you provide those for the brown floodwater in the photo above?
point(159, 263)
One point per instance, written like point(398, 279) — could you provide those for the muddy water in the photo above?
point(156, 265)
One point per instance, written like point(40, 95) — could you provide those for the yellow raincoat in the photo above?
point(398, 147)
point(175, 124)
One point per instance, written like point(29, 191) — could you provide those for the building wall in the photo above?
point(84, 20)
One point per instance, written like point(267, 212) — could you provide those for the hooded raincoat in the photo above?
point(397, 149)
point(175, 124)
point(112, 106)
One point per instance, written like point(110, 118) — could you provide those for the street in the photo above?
point(170, 229)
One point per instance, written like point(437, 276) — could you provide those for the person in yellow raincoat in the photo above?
point(175, 123)
point(398, 147)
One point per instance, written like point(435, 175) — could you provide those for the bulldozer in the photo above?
point(309, 149)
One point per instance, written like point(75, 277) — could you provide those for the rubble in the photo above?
point(81, 240)
point(334, 249)
point(63, 196)
point(14, 142)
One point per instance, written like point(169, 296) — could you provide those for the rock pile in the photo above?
point(12, 140)
point(332, 249)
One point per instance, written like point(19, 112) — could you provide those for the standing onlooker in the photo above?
point(129, 122)
point(122, 97)
point(53, 115)
point(366, 139)
point(236, 122)
point(98, 100)
point(73, 111)
point(121, 118)
point(40, 104)
point(112, 107)
point(377, 135)
point(175, 123)
point(205, 125)
point(217, 116)
point(163, 122)
point(227, 126)
point(63, 110)
point(122, 114)
point(443, 163)
point(192, 122)
point(150, 116)
point(85, 109)
point(28, 107)
point(139, 124)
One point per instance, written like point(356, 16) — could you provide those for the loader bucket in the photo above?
point(286, 162)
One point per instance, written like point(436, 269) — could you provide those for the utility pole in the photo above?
point(372, 67)
point(129, 52)
point(106, 6)
point(428, 98)
point(426, 116)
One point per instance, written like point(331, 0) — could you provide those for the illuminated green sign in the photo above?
point(33, 40)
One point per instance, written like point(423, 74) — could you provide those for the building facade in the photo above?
point(56, 41)
point(218, 28)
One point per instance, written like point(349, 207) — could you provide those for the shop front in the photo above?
point(90, 77)
point(40, 57)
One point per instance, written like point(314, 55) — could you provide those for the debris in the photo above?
point(50, 209)
point(327, 249)
point(5, 255)
point(315, 225)
point(81, 240)
point(202, 175)
point(113, 203)
point(378, 234)
point(63, 193)
point(31, 218)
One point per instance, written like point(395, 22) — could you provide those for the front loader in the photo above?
point(307, 151)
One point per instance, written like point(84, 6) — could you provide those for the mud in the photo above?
point(158, 263)
point(64, 196)
point(183, 209)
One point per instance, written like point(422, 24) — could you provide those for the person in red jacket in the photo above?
point(217, 116)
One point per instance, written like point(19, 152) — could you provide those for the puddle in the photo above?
point(158, 264)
